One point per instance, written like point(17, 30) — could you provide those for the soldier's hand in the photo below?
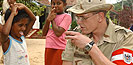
point(77, 38)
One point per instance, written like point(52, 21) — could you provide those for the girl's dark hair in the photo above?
point(21, 14)
point(64, 1)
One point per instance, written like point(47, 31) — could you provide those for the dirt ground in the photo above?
point(36, 49)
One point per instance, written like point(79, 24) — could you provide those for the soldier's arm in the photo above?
point(98, 57)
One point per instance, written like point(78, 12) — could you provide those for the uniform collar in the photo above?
point(108, 36)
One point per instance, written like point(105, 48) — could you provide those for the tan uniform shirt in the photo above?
point(115, 38)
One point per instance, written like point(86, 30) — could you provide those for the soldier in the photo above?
point(100, 42)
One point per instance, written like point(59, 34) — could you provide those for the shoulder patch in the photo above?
point(127, 57)
point(122, 57)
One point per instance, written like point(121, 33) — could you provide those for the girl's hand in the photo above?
point(51, 15)
point(20, 6)
point(14, 9)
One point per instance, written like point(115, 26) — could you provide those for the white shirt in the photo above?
point(16, 53)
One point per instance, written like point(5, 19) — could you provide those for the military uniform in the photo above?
point(115, 37)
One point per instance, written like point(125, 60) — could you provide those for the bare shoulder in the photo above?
point(5, 45)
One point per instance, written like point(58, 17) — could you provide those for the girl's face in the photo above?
point(19, 27)
point(58, 5)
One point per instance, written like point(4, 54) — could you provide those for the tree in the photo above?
point(118, 5)
point(36, 9)
point(1, 1)
point(32, 6)
point(124, 16)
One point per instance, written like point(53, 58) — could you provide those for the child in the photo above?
point(18, 22)
point(5, 6)
point(56, 24)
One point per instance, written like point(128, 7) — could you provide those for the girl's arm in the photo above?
point(32, 17)
point(57, 29)
point(64, 25)
point(50, 18)
point(1, 26)
point(46, 27)
point(7, 27)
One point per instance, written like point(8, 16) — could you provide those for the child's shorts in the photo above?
point(53, 56)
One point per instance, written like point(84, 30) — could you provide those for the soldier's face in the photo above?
point(88, 22)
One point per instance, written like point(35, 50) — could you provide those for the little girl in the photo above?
point(56, 24)
point(18, 22)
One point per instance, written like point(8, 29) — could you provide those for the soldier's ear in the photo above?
point(101, 16)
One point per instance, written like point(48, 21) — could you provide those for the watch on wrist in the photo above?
point(89, 46)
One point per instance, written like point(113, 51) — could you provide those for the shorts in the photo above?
point(53, 56)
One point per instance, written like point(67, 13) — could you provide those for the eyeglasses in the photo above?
point(82, 18)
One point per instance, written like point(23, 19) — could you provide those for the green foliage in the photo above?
point(116, 21)
point(128, 3)
point(109, 16)
point(39, 32)
point(1, 5)
point(124, 16)
point(0, 9)
point(118, 6)
point(33, 7)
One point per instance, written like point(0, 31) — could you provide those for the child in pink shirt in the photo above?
point(56, 24)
